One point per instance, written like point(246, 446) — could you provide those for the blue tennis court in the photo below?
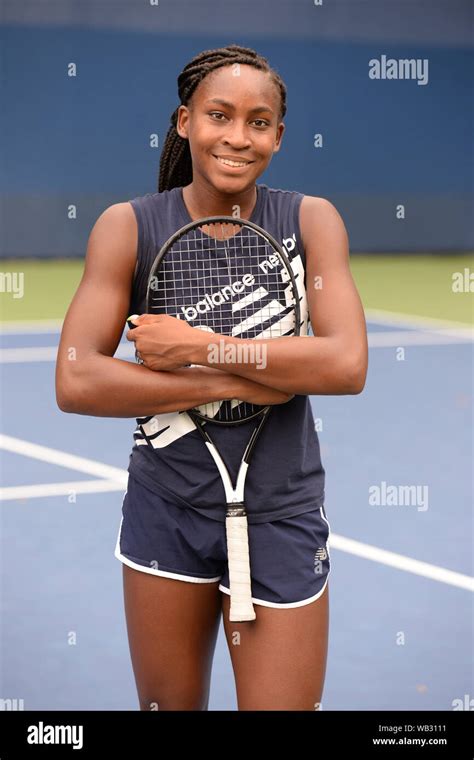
point(399, 500)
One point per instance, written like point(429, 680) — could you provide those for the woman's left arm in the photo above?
point(335, 360)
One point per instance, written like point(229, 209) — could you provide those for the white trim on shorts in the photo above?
point(285, 604)
point(224, 589)
point(152, 571)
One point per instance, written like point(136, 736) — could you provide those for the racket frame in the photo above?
point(241, 607)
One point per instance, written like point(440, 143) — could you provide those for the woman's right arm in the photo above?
point(89, 380)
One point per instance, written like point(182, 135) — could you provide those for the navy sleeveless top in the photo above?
point(285, 476)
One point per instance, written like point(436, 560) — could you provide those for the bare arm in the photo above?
point(89, 380)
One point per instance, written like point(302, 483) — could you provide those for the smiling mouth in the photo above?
point(232, 164)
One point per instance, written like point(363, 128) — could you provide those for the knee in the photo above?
point(171, 699)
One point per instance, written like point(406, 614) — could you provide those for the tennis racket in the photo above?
point(227, 275)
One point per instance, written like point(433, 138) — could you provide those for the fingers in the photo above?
point(145, 319)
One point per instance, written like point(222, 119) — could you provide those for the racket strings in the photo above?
point(231, 284)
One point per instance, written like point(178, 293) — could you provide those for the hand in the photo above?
point(164, 342)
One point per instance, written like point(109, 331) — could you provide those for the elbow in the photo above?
point(64, 401)
point(355, 375)
point(65, 406)
point(66, 395)
point(357, 386)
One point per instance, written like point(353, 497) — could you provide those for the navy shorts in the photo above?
point(289, 558)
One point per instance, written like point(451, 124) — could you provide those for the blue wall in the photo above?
point(85, 140)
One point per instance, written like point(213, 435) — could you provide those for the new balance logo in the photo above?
point(210, 301)
point(321, 554)
point(218, 298)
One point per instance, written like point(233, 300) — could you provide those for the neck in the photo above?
point(217, 203)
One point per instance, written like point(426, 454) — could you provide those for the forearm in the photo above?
point(300, 365)
point(104, 386)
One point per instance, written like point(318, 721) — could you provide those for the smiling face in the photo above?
point(232, 118)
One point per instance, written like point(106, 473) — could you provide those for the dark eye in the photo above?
point(262, 122)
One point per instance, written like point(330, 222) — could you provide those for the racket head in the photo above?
point(226, 275)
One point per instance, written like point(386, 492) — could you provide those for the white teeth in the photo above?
point(231, 163)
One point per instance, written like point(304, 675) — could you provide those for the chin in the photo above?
point(231, 184)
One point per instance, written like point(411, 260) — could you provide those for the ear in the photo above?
point(182, 123)
point(279, 137)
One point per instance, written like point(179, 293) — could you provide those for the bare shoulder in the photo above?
point(112, 243)
point(319, 220)
point(118, 224)
point(120, 212)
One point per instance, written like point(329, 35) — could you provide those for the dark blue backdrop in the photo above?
point(84, 140)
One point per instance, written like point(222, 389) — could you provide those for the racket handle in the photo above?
point(241, 607)
point(129, 322)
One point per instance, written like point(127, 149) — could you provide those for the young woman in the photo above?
point(172, 535)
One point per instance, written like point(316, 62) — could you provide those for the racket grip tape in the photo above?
point(241, 607)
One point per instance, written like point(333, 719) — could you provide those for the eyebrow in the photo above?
point(226, 103)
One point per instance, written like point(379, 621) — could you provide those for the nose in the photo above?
point(237, 136)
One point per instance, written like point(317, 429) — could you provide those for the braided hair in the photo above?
point(176, 168)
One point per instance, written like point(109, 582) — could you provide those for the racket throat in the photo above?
point(233, 496)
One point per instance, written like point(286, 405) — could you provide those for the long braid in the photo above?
point(176, 164)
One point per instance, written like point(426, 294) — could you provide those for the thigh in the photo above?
point(279, 659)
point(173, 559)
point(172, 628)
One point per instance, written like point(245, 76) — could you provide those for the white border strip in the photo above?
point(60, 458)
point(21, 327)
point(401, 562)
point(385, 339)
point(378, 316)
point(27, 354)
point(49, 354)
point(284, 605)
point(392, 338)
point(40, 490)
point(418, 322)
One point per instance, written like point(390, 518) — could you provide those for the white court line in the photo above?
point(417, 322)
point(49, 354)
point(36, 326)
point(415, 338)
point(376, 340)
point(40, 490)
point(401, 562)
point(60, 458)
point(22, 355)
point(377, 316)
point(119, 478)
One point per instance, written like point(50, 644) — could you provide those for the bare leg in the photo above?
point(279, 659)
point(172, 629)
